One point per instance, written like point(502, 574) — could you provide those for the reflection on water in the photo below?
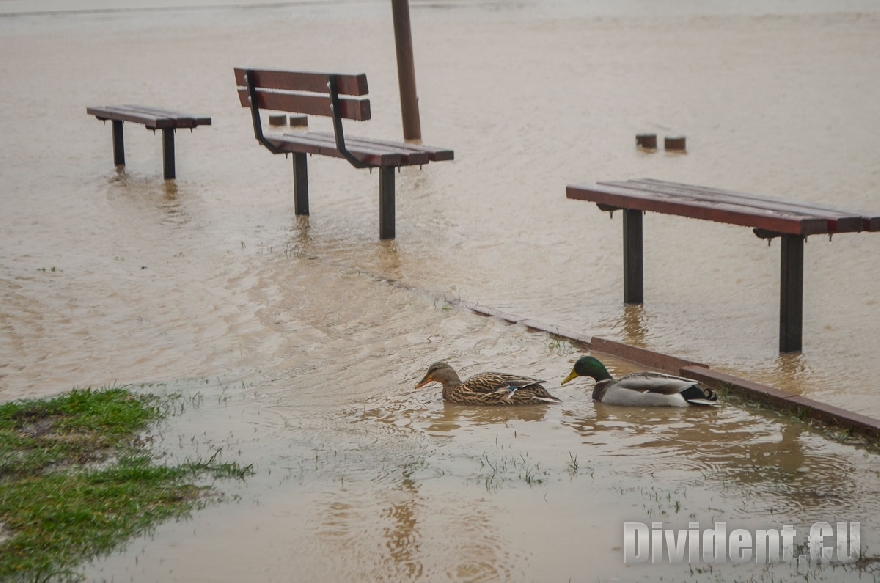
point(769, 459)
point(633, 323)
point(452, 417)
point(402, 536)
point(794, 370)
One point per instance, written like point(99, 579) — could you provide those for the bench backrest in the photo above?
point(305, 92)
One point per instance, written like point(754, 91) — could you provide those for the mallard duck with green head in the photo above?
point(487, 388)
point(641, 389)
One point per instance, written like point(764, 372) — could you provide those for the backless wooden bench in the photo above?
point(152, 118)
point(336, 96)
point(791, 221)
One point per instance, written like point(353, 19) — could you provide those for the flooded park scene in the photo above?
point(301, 348)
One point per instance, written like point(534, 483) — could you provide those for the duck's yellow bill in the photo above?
point(570, 376)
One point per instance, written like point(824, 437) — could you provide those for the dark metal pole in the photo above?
point(118, 146)
point(168, 152)
point(406, 71)
point(386, 202)
point(791, 302)
point(632, 257)
point(300, 184)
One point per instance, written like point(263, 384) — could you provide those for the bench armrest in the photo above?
point(333, 86)
point(255, 113)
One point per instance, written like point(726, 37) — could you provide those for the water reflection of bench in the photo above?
point(336, 96)
point(152, 118)
point(791, 221)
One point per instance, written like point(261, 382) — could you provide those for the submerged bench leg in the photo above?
point(300, 184)
point(118, 146)
point(386, 202)
point(791, 303)
point(168, 152)
point(632, 257)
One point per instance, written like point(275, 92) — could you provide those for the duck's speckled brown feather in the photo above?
point(488, 388)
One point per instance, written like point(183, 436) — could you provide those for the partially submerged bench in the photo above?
point(336, 96)
point(153, 118)
point(768, 217)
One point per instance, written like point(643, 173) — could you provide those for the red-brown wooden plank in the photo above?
point(346, 84)
point(846, 220)
point(870, 222)
point(360, 147)
point(307, 145)
point(151, 117)
point(409, 157)
point(436, 154)
point(179, 116)
point(626, 198)
point(134, 116)
point(351, 108)
point(733, 197)
point(836, 222)
point(747, 196)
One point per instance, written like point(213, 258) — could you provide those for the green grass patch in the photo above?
point(75, 481)
point(79, 427)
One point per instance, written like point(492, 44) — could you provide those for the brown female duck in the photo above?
point(488, 388)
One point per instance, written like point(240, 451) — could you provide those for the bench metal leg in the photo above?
point(632, 257)
point(386, 202)
point(300, 184)
point(168, 152)
point(791, 303)
point(118, 146)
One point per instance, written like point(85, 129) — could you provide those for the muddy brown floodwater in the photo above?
point(292, 352)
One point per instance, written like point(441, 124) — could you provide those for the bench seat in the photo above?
point(773, 215)
point(791, 221)
point(367, 150)
point(153, 118)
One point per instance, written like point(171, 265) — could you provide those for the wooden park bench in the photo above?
point(336, 96)
point(768, 217)
point(152, 118)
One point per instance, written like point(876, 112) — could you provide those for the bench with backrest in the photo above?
point(791, 221)
point(336, 96)
point(153, 118)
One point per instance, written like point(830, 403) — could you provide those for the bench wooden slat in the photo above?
point(837, 222)
point(151, 121)
point(151, 117)
point(351, 108)
point(361, 148)
point(635, 199)
point(181, 116)
point(304, 144)
point(733, 197)
point(435, 154)
point(346, 84)
point(866, 221)
point(409, 156)
point(845, 221)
